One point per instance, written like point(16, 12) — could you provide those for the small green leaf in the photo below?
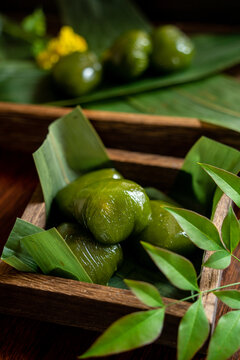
point(219, 260)
point(131, 331)
point(200, 229)
point(179, 271)
point(35, 23)
point(54, 256)
point(228, 182)
point(229, 297)
point(193, 331)
point(225, 340)
point(231, 231)
point(145, 292)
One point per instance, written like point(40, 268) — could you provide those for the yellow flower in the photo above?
point(66, 42)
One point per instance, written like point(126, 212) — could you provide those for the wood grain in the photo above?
point(156, 170)
point(89, 306)
point(26, 126)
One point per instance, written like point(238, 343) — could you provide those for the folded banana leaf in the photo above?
point(214, 100)
point(72, 147)
point(14, 253)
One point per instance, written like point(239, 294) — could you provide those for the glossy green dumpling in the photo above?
point(65, 197)
point(128, 57)
point(78, 73)
point(112, 209)
point(172, 49)
point(98, 260)
point(164, 231)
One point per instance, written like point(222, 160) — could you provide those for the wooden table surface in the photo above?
point(24, 339)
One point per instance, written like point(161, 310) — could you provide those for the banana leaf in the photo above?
point(14, 252)
point(72, 147)
point(54, 256)
point(193, 189)
point(22, 81)
point(13, 49)
point(101, 22)
point(214, 100)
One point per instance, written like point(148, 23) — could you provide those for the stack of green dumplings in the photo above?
point(102, 209)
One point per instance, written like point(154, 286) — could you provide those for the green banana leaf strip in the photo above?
point(14, 253)
point(53, 255)
point(213, 100)
point(72, 147)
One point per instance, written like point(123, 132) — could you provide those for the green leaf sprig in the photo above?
point(141, 328)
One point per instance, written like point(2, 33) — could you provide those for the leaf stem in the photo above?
point(235, 257)
point(184, 299)
point(202, 292)
point(220, 287)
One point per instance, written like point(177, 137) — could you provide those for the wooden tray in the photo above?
point(26, 127)
point(94, 306)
